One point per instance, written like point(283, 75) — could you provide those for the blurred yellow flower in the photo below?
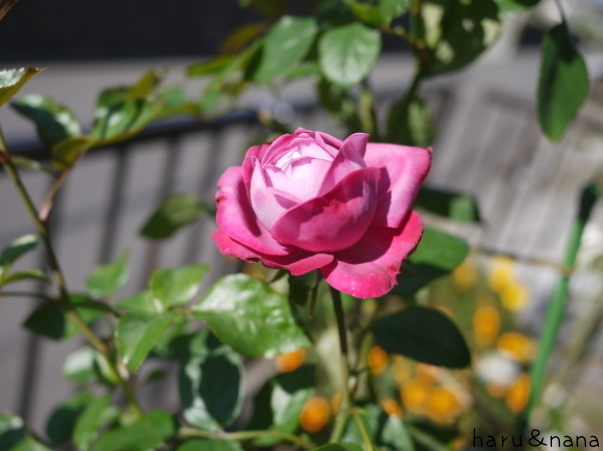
point(486, 325)
point(502, 273)
point(377, 360)
point(514, 296)
point(414, 395)
point(315, 414)
point(291, 361)
point(391, 407)
point(496, 390)
point(518, 394)
point(516, 346)
point(464, 276)
point(442, 403)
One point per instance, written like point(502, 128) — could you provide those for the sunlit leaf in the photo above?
point(109, 278)
point(177, 286)
point(12, 80)
point(390, 9)
point(287, 43)
point(96, 414)
point(12, 431)
point(15, 249)
point(410, 123)
point(512, 6)
point(65, 153)
point(246, 314)
point(54, 122)
point(347, 54)
point(29, 274)
point(79, 365)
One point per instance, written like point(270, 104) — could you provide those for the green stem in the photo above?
point(57, 273)
point(247, 435)
point(344, 405)
point(363, 432)
point(556, 307)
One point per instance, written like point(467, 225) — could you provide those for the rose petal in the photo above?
point(236, 217)
point(369, 268)
point(252, 155)
point(404, 170)
point(335, 220)
point(349, 159)
point(297, 262)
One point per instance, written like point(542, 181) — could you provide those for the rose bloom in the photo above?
point(309, 201)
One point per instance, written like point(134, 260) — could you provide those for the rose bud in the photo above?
point(309, 201)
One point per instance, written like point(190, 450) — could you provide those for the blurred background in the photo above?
point(488, 144)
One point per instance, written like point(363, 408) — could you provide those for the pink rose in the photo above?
point(309, 201)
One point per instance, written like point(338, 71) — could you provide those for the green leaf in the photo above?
point(410, 123)
point(370, 415)
point(423, 334)
point(511, 6)
point(136, 335)
point(12, 80)
point(66, 153)
point(48, 320)
point(141, 302)
point(290, 393)
point(211, 387)
point(14, 250)
point(177, 286)
point(32, 165)
point(450, 204)
point(395, 435)
point(347, 54)
point(54, 122)
point(438, 254)
point(12, 431)
point(457, 32)
point(209, 67)
point(246, 314)
point(210, 445)
point(339, 447)
point(370, 14)
point(146, 85)
point(146, 433)
point(338, 102)
point(174, 212)
point(97, 413)
point(62, 420)
point(29, 444)
point(109, 278)
point(79, 365)
point(28, 274)
point(563, 82)
point(287, 43)
point(390, 9)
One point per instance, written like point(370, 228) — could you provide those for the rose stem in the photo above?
point(556, 309)
point(344, 405)
point(57, 273)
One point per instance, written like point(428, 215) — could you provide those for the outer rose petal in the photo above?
point(335, 220)
point(404, 169)
point(349, 159)
point(369, 268)
point(236, 217)
point(298, 262)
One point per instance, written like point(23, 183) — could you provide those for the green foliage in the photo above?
point(563, 83)
point(457, 32)
point(107, 279)
point(511, 6)
point(347, 54)
point(210, 445)
point(457, 206)
point(285, 46)
point(136, 335)
point(174, 212)
point(12, 431)
point(12, 80)
point(54, 122)
point(29, 444)
point(238, 307)
point(98, 412)
point(423, 334)
point(410, 123)
point(14, 250)
point(62, 420)
point(145, 433)
point(211, 383)
point(79, 365)
point(390, 9)
point(339, 447)
point(177, 286)
point(438, 254)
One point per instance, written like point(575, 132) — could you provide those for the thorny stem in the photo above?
point(246, 435)
point(57, 273)
point(556, 309)
point(344, 405)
